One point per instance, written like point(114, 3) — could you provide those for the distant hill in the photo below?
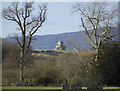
point(48, 42)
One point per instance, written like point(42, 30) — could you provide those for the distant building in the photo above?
point(60, 46)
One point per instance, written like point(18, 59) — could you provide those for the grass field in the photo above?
point(56, 53)
point(13, 88)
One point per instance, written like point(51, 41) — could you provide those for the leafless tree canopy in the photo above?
point(97, 15)
point(28, 23)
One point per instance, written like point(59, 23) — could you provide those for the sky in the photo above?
point(60, 19)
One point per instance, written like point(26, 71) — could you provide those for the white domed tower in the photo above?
point(60, 46)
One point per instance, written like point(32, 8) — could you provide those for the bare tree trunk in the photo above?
point(96, 58)
point(66, 82)
point(22, 66)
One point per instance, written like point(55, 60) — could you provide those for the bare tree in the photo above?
point(99, 18)
point(28, 23)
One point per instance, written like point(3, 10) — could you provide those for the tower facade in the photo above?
point(60, 46)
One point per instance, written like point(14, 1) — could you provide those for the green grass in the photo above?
point(41, 54)
point(20, 88)
point(46, 53)
point(111, 88)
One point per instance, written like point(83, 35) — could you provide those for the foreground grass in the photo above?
point(111, 88)
point(22, 87)
point(19, 88)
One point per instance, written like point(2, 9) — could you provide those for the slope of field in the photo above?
point(45, 53)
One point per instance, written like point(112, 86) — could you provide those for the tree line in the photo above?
point(76, 68)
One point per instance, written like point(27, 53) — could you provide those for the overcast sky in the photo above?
point(60, 19)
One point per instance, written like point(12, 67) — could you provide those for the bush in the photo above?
point(10, 62)
point(45, 81)
point(109, 64)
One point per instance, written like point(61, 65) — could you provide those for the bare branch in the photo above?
point(87, 33)
point(16, 37)
point(22, 16)
point(96, 15)
point(32, 21)
point(29, 41)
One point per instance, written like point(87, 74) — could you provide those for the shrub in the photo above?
point(109, 64)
